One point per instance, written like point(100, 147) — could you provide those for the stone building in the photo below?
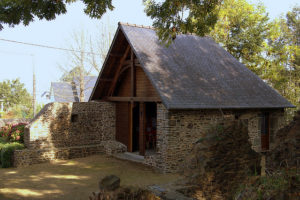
point(167, 97)
point(158, 101)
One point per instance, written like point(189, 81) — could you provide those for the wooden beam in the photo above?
point(114, 82)
point(128, 62)
point(142, 136)
point(134, 99)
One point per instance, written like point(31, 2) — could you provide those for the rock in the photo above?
point(110, 182)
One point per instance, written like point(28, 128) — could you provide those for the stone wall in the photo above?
point(69, 130)
point(28, 157)
point(71, 124)
point(13, 121)
point(178, 131)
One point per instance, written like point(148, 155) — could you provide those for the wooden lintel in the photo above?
point(134, 99)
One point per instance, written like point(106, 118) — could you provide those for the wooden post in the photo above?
point(142, 129)
point(132, 74)
point(130, 115)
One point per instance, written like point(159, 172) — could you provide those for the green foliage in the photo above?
point(279, 184)
point(172, 17)
point(268, 48)
point(13, 133)
point(281, 66)
point(13, 12)
point(7, 151)
point(2, 140)
point(242, 29)
point(14, 93)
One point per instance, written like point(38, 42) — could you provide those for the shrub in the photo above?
point(7, 151)
point(2, 140)
point(13, 133)
point(17, 132)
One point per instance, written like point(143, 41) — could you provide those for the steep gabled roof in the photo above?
point(196, 73)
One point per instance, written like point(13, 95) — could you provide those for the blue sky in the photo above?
point(17, 60)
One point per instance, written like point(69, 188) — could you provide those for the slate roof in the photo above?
point(197, 73)
point(89, 83)
point(69, 92)
point(62, 92)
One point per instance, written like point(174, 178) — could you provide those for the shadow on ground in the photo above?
point(73, 179)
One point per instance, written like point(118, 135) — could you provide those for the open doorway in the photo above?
point(144, 126)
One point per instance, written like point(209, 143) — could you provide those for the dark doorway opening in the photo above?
point(135, 127)
point(144, 126)
point(150, 130)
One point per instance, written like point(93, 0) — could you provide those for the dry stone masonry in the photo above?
point(178, 131)
point(69, 130)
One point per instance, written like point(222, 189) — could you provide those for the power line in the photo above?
point(46, 46)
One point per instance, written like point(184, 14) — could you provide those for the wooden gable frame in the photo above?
point(120, 59)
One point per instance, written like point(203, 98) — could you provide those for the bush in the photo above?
point(13, 133)
point(7, 151)
point(2, 141)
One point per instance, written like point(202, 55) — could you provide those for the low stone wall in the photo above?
point(28, 157)
point(178, 131)
point(69, 130)
point(13, 121)
point(61, 125)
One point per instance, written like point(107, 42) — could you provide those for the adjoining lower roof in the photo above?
point(196, 73)
point(89, 83)
point(62, 92)
point(69, 92)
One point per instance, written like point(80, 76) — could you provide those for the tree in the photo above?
point(172, 17)
point(88, 57)
point(281, 66)
point(13, 12)
point(17, 101)
point(14, 93)
point(242, 29)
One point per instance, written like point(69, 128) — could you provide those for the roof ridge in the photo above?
point(135, 25)
point(151, 27)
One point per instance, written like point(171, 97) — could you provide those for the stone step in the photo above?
point(130, 156)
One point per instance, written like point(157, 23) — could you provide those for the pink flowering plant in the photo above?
point(13, 132)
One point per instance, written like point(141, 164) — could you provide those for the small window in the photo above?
point(74, 118)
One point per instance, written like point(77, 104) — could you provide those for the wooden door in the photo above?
point(122, 123)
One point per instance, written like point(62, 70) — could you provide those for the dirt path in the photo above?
point(73, 179)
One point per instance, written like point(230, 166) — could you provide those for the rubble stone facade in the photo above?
point(178, 131)
point(71, 130)
point(68, 130)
